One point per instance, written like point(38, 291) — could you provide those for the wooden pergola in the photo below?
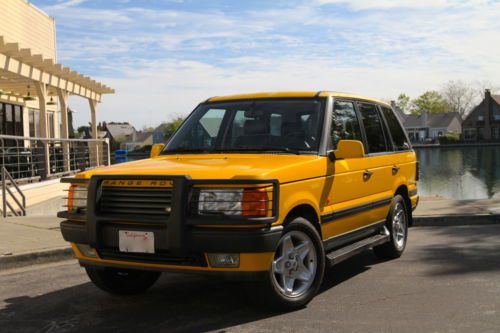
point(23, 73)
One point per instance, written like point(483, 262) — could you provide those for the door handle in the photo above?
point(395, 169)
point(367, 175)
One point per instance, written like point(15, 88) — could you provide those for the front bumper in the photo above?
point(216, 240)
point(255, 246)
point(182, 240)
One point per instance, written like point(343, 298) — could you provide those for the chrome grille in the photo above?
point(135, 201)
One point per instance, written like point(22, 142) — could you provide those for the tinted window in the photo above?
point(258, 125)
point(204, 130)
point(397, 132)
point(345, 125)
point(373, 128)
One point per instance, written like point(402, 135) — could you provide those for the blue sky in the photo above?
point(165, 56)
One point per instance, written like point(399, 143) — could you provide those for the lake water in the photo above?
point(460, 173)
point(456, 173)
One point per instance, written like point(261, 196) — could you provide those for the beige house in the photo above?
point(34, 87)
point(138, 140)
point(34, 91)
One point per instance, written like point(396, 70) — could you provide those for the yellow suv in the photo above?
point(272, 187)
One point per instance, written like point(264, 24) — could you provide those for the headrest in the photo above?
point(291, 127)
point(252, 127)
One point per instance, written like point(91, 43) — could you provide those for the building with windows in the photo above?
point(35, 139)
point(483, 123)
point(429, 127)
point(34, 87)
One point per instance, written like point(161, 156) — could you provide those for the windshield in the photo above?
point(279, 125)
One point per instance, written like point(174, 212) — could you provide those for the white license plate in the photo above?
point(136, 241)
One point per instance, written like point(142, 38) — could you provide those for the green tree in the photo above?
point(170, 127)
point(430, 101)
point(403, 102)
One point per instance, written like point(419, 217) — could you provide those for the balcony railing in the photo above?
point(29, 159)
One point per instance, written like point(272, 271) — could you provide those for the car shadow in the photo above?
point(457, 250)
point(177, 303)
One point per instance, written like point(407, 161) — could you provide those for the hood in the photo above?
point(285, 168)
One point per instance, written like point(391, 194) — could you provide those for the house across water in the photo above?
point(431, 126)
point(483, 123)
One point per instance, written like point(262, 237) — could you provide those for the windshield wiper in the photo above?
point(187, 150)
point(270, 149)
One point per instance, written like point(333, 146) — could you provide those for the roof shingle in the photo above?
point(434, 120)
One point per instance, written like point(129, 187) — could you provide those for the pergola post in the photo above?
point(44, 159)
point(95, 134)
point(63, 102)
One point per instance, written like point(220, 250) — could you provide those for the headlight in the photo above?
point(246, 202)
point(225, 201)
point(77, 199)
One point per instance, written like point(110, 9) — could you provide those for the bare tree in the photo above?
point(460, 96)
point(480, 86)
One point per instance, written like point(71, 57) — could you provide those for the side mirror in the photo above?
point(156, 149)
point(350, 149)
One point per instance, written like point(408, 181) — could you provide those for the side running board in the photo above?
point(337, 256)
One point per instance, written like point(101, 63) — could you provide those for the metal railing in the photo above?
point(20, 209)
point(30, 158)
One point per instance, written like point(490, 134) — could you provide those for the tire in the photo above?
point(397, 224)
point(295, 279)
point(122, 281)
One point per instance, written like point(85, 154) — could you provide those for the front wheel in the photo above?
point(397, 224)
point(297, 268)
point(122, 281)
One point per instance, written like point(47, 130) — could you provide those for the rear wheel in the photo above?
point(122, 281)
point(397, 224)
point(297, 268)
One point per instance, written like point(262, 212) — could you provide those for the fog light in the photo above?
point(224, 260)
point(86, 250)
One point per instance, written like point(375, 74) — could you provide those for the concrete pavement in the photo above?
point(448, 280)
point(436, 211)
point(31, 240)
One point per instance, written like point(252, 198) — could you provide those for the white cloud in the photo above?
point(169, 88)
point(163, 62)
point(391, 4)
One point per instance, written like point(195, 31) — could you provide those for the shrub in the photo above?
point(449, 138)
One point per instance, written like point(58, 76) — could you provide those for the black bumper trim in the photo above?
point(213, 240)
point(74, 232)
point(355, 210)
point(198, 239)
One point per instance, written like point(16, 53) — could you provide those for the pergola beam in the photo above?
point(34, 67)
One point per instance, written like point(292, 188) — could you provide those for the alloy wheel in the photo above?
point(294, 264)
point(399, 226)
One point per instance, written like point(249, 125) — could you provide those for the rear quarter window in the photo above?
point(397, 132)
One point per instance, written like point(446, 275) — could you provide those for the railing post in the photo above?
point(4, 198)
point(42, 92)
point(63, 101)
point(95, 134)
point(108, 151)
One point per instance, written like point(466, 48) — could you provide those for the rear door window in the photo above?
point(376, 142)
point(397, 133)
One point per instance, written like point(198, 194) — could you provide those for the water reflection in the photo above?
point(460, 173)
